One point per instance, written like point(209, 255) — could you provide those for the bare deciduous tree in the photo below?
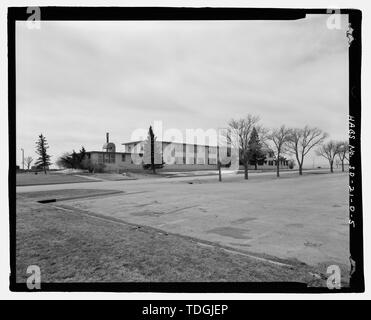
point(343, 152)
point(280, 138)
point(329, 151)
point(302, 141)
point(239, 137)
point(28, 160)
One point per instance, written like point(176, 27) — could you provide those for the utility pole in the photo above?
point(218, 159)
point(219, 166)
point(22, 158)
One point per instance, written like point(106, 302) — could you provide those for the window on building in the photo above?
point(123, 157)
point(100, 158)
point(212, 161)
point(109, 158)
point(190, 160)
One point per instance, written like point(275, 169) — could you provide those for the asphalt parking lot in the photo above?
point(296, 218)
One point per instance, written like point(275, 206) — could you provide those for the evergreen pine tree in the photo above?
point(82, 154)
point(43, 161)
point(152, 138)
point(255, 148)
point(152, 157)
point(74, 159)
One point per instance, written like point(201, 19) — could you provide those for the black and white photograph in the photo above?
point(185, 151)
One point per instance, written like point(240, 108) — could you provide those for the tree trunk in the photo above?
point(219, 171)
point(44, 169)
point(256, 165)
point(246, 170)
point(278, 169)
point(331, 167)
point(300, 164)
point(342, 166)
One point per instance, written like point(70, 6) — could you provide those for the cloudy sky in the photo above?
point(78, 80)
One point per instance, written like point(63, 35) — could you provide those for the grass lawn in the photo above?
point(70, 247)
point(29, 179)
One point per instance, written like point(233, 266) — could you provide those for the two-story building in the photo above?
point(172, 155)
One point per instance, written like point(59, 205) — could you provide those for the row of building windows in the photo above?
point(106, 158)
point(192, 160)
point(186, 148)
point(111, 158)
point(274, 162)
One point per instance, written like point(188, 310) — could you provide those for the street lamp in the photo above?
point(22, 158)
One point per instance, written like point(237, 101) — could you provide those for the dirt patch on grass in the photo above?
point(295, 225)
point(235, 233)
point(146, 213)
point(312, 244)
point(243, 220)
point(241, 244)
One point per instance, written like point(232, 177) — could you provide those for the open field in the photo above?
point(31, 179)
point(179, 229)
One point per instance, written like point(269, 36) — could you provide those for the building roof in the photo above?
point(107, 152)
point(197, 144)
point(131, 142)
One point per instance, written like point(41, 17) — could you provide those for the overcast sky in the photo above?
point(78, 80)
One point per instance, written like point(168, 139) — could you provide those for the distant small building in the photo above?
point(271, 160)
